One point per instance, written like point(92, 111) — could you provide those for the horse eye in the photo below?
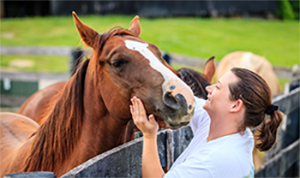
point(119, 63)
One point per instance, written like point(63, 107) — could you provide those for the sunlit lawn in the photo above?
point(278, 41)
point(38, 63)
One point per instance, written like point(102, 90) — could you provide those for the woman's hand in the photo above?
point(148, 126)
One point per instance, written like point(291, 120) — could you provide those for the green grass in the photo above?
point(178, 66)
point(277, 40)
point(51, 64)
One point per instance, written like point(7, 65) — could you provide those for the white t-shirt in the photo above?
point(228, 156)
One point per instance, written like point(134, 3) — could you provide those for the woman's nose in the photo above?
point(208, 89)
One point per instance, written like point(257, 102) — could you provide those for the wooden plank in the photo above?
point(12, 101)
point(31, 175)
point(182, 137)
point(122, 161)
point(59, 51)
point(19, 88)
point(125, 160)
point(288, 102)
point(277, 166)
point(33, 76)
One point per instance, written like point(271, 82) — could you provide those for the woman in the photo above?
point(223, 142)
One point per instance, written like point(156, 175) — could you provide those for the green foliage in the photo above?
point(285, 10)
point(296, 7)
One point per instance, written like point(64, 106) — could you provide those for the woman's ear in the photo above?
point(236, 106)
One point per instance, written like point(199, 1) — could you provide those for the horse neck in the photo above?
point(107, 130)
point(100, 130)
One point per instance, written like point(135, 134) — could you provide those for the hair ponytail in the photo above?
point(268, 131)
point(256, 96)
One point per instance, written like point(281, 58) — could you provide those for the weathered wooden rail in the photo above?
point(125, 160)
point(21, 85)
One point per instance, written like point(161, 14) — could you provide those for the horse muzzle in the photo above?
point(176, 112)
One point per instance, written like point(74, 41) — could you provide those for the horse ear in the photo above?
point(135, 26)
point(86, 33)
point(209, 69)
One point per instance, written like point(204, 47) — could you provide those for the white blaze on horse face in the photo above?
point(169, 76)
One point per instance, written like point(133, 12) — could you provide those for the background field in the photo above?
point(277, 40)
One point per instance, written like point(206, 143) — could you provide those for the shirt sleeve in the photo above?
point(199, 115)
point(189, 170)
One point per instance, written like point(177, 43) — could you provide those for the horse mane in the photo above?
point(195, 80)
point(56, 139)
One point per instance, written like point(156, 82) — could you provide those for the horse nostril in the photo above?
point(171, 101)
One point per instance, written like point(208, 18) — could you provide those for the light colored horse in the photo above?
point(250, 61)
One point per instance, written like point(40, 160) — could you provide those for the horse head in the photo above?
point(123, 66)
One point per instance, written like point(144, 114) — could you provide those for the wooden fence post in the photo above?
point(170, 149)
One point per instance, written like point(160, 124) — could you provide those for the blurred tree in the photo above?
point(285, 10)
point(296, 4)
point(1, 8)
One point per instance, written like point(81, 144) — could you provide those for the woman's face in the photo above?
point(218, 101)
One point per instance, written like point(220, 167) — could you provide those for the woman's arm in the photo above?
point(151, 166)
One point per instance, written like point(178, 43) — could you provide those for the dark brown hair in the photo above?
point(195, 80)
point(256, 96)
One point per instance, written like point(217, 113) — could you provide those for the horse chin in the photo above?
point(175, 124)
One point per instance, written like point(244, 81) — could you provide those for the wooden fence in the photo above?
point(125, 160)
point(16, 87)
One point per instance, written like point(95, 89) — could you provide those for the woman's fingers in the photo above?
point(153, 122)
point(147, 125)
point(141, 107)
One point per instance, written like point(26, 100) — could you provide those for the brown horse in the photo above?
point(36, 106)
point(91, 113)
point(253, 62)
point(192, 78)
